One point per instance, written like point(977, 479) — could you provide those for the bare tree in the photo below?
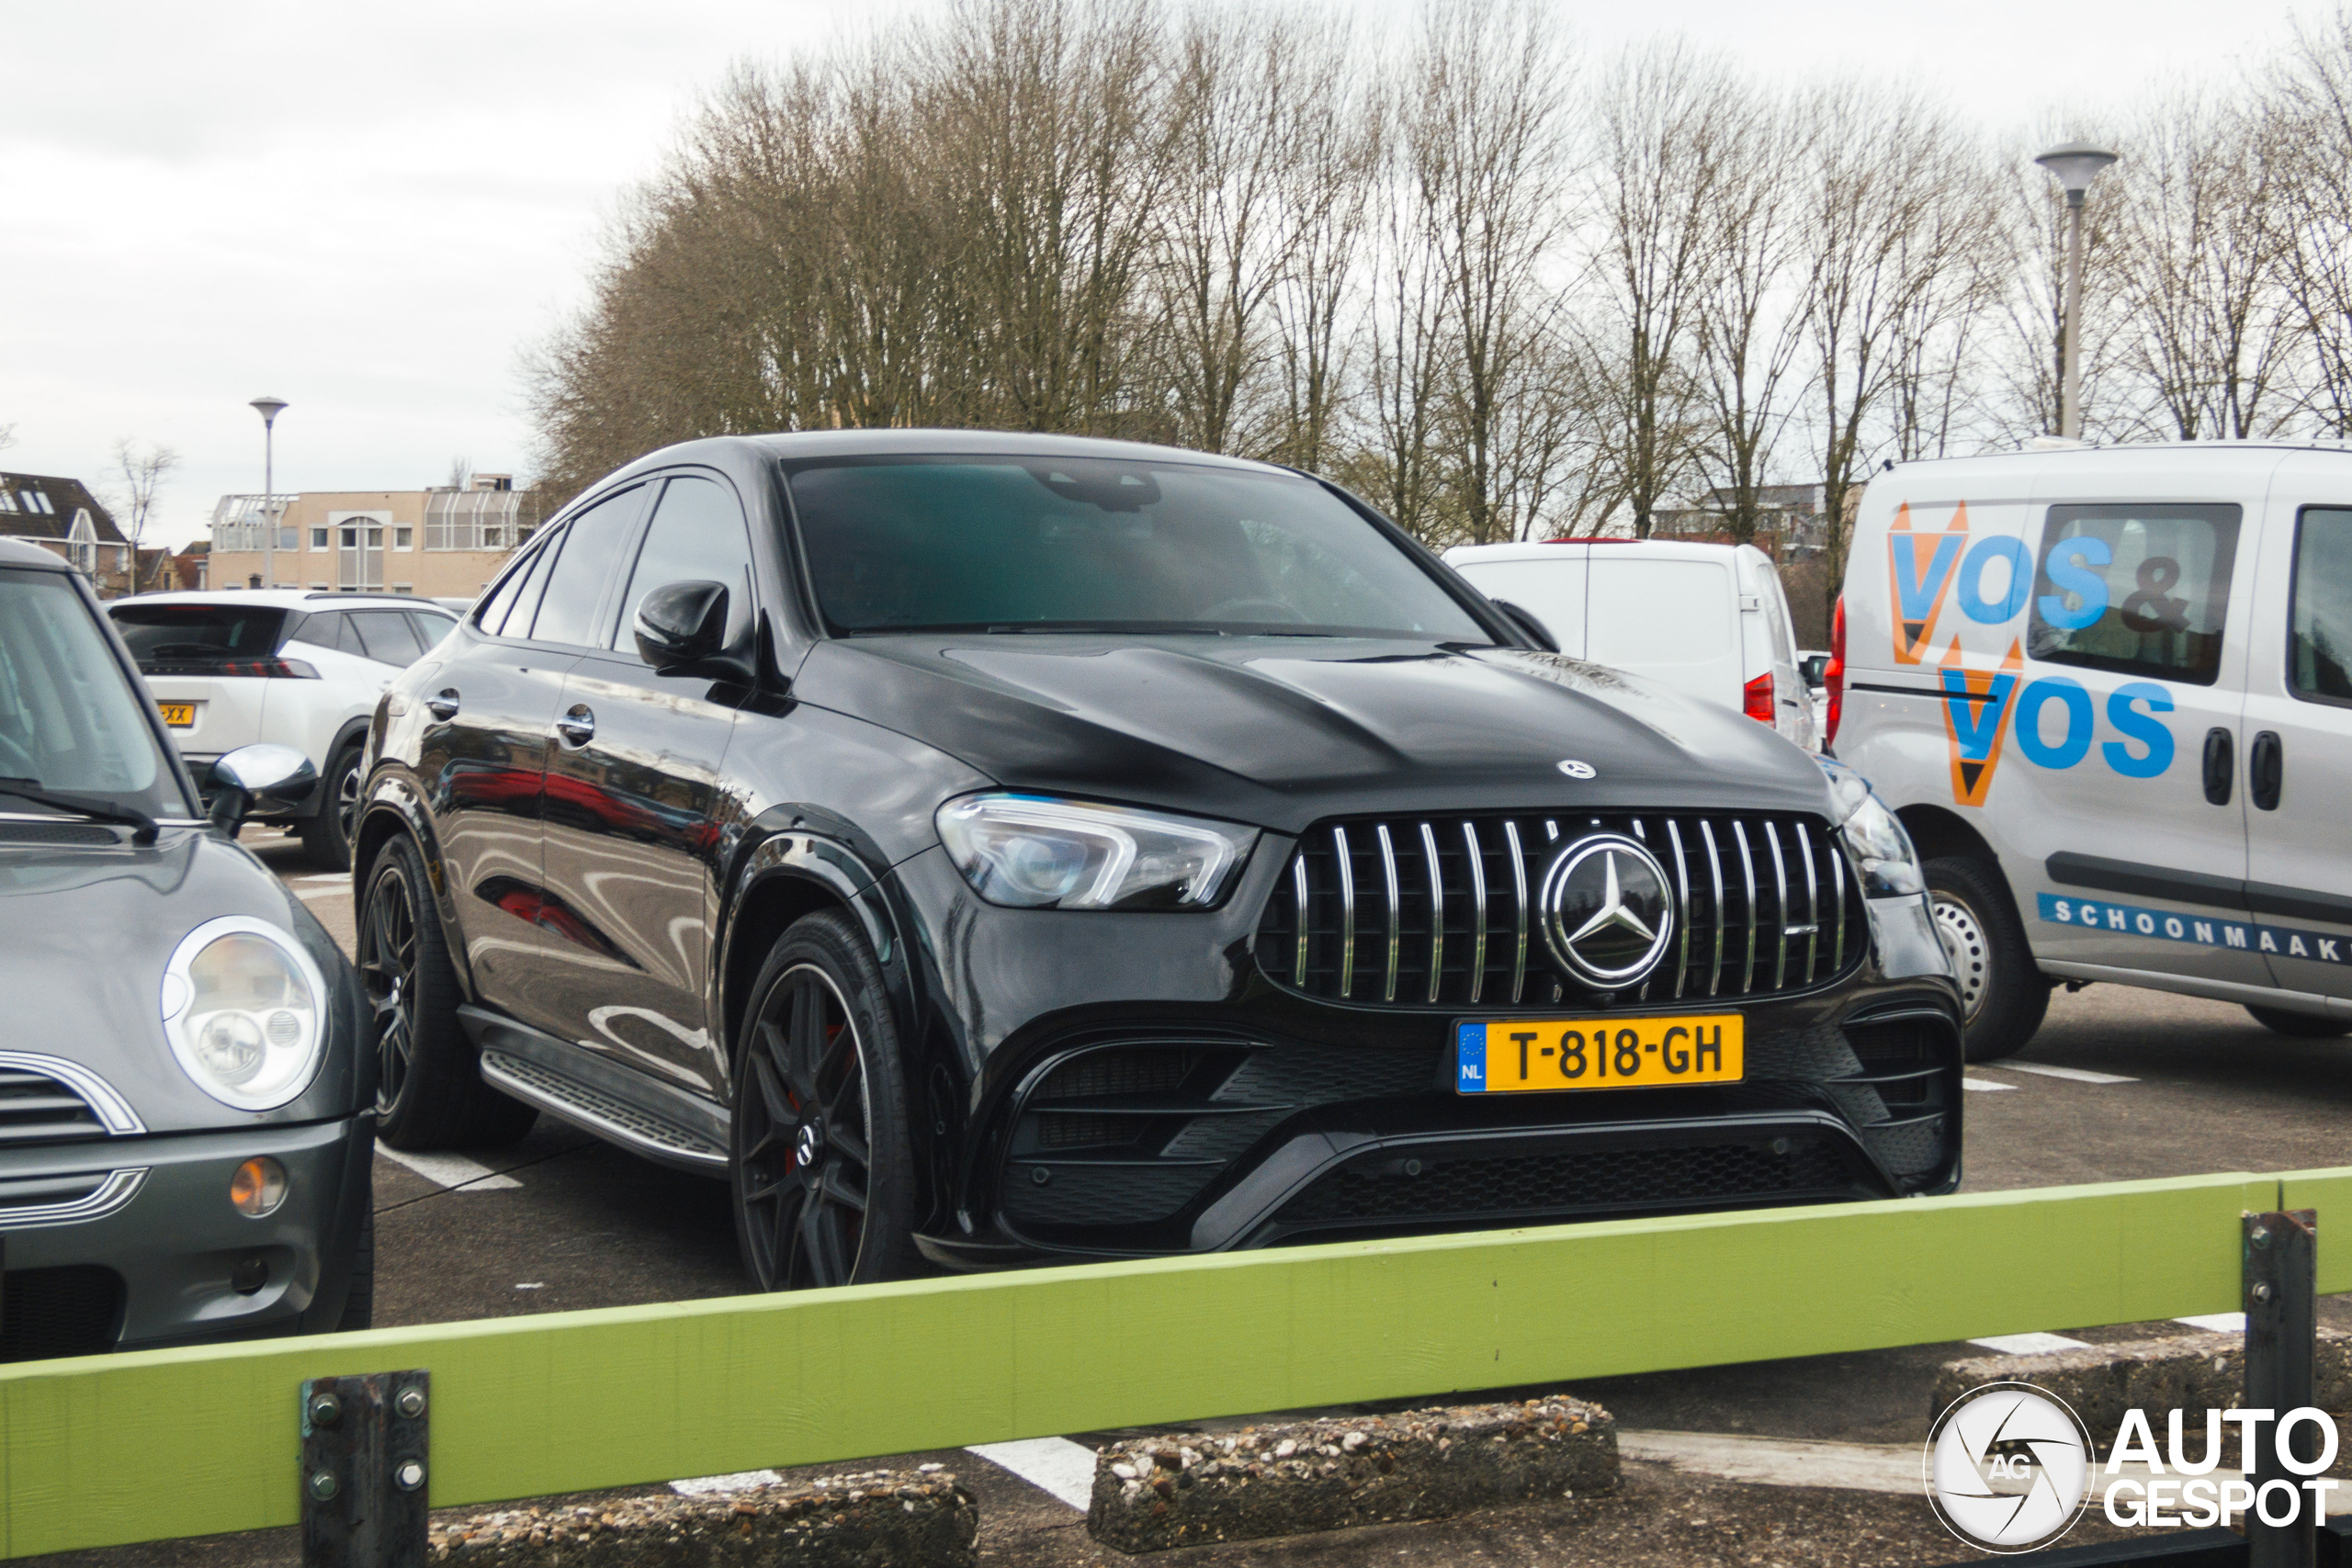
point(1662, 130)
point(2205, 248)
point(1338, 137)
point(2310, 94)
point(2027, 333)
point(1751, 314)
point(1395, 465)
point(141, 472)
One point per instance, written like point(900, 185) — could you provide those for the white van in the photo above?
point(2109, 692)
point(1708, 620)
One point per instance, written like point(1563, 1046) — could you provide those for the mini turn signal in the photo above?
point(258, 1188)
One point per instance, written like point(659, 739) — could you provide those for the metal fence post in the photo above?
point(2281, 1256)
point(365, 1450)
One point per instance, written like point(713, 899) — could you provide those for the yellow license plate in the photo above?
point(179, 715)
point(1598, 1053)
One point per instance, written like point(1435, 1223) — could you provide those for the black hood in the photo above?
point(1281, 731)
point(85, 933)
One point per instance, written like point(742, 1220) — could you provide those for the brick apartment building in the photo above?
point(442, 543)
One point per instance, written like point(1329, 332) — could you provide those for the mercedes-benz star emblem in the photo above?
point(1577, 770)
point(1607, 914)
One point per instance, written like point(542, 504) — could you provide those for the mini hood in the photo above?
point(1282, 731)
point(85, 933)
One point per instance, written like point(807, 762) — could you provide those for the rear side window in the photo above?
point(2137, 590)
point(588, 555)
point(189, 636)
point(388, 637)
point(431, 629)
point(696, 536)
point(2319, 651)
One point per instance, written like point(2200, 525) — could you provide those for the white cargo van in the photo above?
point(1708, 620)
point(2109, 692)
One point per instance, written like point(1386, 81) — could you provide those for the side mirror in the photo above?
point(278, 773)
point(1528, 626)
point(682, 627)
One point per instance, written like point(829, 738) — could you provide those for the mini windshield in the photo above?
point(986, 544)
point(71, 719)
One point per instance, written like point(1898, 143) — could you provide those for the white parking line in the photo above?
point(343, 892)
point(2221, 1322)
point(1054, 1465)
point(2076, 1075)
point(450, 1170)
point(2029, 1344)
point(342, 877)
point(1984, 1085)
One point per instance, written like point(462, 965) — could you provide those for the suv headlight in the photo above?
point(1881, 849)
point(1033, 852)
point(245, 1009)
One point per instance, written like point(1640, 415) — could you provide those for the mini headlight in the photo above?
point(1034, 851)
point(1874, 836)
point(245, 1008)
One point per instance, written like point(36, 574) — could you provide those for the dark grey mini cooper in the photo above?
point(186, 1102)
point(985, 847)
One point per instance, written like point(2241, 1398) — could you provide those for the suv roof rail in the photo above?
point(354, 593)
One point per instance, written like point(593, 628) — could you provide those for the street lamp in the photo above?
point(269, 408)
point(2076, 163)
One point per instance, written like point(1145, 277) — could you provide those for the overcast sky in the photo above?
point(369, 211)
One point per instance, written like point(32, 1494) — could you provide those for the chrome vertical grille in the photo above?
point(1437, 911)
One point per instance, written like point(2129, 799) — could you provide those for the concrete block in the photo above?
point(1186, 1488)
point(868, 1519)
point(2192, 1372)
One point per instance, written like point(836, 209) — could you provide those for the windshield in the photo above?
point(194, 636)
point(981, 544)
point(71, 720)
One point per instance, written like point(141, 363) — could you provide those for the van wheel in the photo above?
point(822, 1166)
point(326, 833)
point(2300, 1025)
point(429, 1093)
point(2003, 995)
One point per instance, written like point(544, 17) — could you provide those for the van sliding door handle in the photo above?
point(2265, 770)
point(2220, 765)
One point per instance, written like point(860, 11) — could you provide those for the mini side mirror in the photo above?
point(264, 772)
point(1533, 630)
point(682, 624)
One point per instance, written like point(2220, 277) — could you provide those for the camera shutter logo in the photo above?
point(1607, 914)
point(2009, 1467)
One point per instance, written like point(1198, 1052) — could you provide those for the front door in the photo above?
point(2299, 723)
point(635, 813)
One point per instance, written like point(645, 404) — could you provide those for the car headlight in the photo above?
point(245, 1011)
point(1881, 849)
point(1033, 852)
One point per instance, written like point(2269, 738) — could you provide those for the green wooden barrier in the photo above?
point(115, 1449)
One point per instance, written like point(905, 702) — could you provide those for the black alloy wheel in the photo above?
point(822, 1168)
point(327, 832)
point(2003, 993)
point(429, 1092)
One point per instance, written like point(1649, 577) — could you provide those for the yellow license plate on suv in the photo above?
point(179, 715)
point(1541, 1054)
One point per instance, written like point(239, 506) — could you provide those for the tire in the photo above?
point(429, 1093)
point(359, 1305)
point(822, 1165)
point(326, 833)
point(2300, 1025)
point(2002, 994)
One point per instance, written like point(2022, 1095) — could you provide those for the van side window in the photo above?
point(2319, 648)
point(2138, 590)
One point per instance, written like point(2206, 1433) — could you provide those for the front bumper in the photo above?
point(1181, 1101)
point(172, 1262)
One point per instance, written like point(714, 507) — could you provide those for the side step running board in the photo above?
point(601, 1113)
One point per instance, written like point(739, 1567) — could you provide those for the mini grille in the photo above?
point(1440, 911)
point(38, 1108)
point(72, 1311)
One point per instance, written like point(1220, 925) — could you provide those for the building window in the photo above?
point(351, 538)
point(400, 538)
point(7, 500)
point(403, 587)
point(322, 587)
point(318, 539)
point(289, 538)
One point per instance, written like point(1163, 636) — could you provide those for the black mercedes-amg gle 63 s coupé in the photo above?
point(985, 848)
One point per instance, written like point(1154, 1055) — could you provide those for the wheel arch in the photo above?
point(391, 804)
point(1935, 831)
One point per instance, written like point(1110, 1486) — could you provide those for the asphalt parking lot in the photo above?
point(2119, 1084)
